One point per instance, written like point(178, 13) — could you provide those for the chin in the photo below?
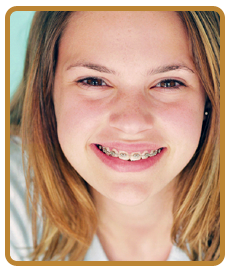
point(129, 194)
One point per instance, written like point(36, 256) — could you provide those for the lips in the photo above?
point(128, 157)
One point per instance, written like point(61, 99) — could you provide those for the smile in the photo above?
point(134, 156)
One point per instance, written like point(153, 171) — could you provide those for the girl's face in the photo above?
point(126, 81)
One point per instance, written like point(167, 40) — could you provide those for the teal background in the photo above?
point(20, 22)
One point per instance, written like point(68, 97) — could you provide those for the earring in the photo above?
point(206, 113)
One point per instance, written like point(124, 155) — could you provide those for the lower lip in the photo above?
point(124, 165)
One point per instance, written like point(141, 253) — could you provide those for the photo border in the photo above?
point(7, 135)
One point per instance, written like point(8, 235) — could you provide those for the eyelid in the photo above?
point(166, 80)
point(81, 81)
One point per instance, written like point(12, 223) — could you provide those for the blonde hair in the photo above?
point(196, 227)
point(68, 213)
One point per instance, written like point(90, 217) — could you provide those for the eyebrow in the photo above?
point(92, 66)
point(164, 69)
point(101, 68)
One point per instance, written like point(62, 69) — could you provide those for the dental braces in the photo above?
point(126, 156)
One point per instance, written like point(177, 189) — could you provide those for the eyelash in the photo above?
point(170, 83)
point(97, 82)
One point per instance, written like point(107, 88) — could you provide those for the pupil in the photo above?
point(172, 83)
point(94, 82)
point(168, 84)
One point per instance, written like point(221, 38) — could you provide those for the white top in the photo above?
point(20, 224)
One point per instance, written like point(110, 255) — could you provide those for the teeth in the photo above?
point(125, 156)
point(114, 153)
point(145, 155)
point(108, 152)
point(135, 156)
point(153, 153)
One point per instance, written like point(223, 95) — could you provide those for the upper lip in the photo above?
point(131, 147)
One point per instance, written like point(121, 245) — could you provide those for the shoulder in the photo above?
point(95, 251)
point(17, 178)
point(20, 224)
point(177, 254)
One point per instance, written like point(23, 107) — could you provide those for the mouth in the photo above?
point(131, 159)
point(132, 156)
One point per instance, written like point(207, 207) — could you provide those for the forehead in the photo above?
point(125, 33)
point(129, 21)
point(132, 18)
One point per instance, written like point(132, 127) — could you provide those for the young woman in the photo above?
point(118, 114)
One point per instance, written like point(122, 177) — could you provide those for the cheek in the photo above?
point(185, 120)
point(77, 120)
point(183, 126)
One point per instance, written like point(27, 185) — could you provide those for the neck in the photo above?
point(135, 225)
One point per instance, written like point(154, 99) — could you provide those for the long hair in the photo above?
point(196, 227)
point(68, 215)
point(67, 210)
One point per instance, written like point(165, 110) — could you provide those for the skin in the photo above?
point(129, 53)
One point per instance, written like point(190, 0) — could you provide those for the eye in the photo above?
point(92, 82)
point(170, 83)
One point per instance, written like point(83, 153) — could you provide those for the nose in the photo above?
point(131, 114)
